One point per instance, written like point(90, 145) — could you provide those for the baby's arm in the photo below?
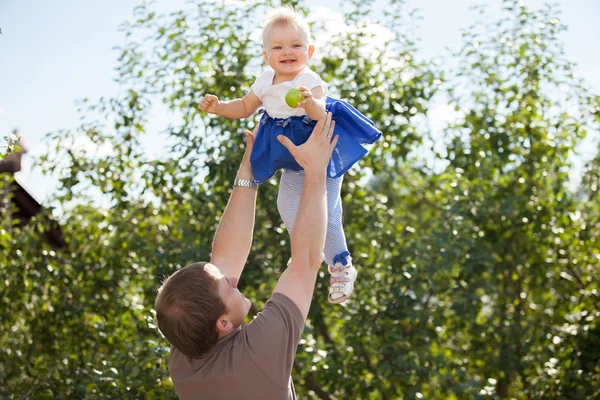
point(235, 109)
point(314, 102)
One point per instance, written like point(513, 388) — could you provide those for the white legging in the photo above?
point(288, 202)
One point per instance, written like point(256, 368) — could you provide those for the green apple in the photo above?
point(293, 97)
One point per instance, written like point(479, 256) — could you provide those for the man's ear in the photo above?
point(311, 50)
point(224, 325)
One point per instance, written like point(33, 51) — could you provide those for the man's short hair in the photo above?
point(285, 15)
point(188, 307)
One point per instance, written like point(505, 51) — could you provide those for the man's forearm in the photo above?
point(308, 235)
point(233, 238)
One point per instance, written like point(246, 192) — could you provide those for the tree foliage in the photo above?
point(478, 277)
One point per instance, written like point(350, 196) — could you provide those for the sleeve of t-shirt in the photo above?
point(273, 338)
point(264, 80)
point(311, 80)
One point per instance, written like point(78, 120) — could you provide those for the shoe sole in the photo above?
point(344, 298)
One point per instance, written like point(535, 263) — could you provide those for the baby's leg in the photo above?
point(336, 249)
point(288, 199)
point(343, 273)
point(288, 202)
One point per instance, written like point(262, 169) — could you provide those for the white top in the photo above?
point(273, 96)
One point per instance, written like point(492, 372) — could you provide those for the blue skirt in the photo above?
point(354, 130)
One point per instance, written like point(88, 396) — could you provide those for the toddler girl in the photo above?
point(287, 49)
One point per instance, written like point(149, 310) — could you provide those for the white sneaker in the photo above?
point(341, 282)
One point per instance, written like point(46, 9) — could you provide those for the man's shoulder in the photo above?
point(285, 301)
point(277, 327)
point(280, 307)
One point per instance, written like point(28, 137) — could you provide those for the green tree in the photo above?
point(529, 279)
point(477, 278)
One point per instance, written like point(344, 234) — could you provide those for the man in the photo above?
point(200, 309)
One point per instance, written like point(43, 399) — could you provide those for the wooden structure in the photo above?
point(24, 205)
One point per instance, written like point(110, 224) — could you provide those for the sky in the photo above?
point(55, 52)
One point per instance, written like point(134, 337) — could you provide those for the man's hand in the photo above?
point(233, 238)
point(311, 155)
point(210, 104)
point(308, 235)
point(245, 171)
point(250, 136)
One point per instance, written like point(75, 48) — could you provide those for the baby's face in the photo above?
point(286, 50)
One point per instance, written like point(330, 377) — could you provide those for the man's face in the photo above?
point(237, 304)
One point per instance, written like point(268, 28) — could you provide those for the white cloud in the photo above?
point(2, 110)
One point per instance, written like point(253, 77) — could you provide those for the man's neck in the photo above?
point(225, 334)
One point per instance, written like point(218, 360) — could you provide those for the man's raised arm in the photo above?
point(308, 235)
point(233, 238)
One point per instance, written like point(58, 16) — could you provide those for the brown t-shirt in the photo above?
point(255, 362)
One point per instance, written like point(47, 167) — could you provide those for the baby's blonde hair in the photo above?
point(285, 15)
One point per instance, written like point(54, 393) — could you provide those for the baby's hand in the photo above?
point(308, 97)
point(210, 103)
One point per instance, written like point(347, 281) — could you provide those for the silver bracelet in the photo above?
point(245, 183)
